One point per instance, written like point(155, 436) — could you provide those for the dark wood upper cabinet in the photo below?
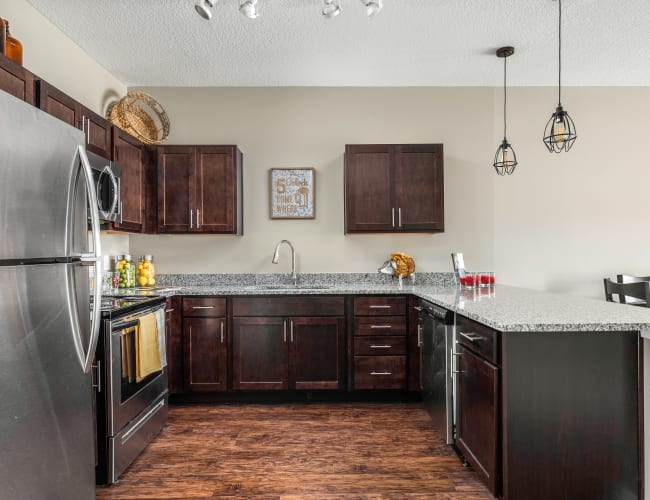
point(200, 189)
point(128, 152)
point(96, 129)
point(394, 188)
point(16, 80)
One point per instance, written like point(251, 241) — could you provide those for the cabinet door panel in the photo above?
point(175, 192)
point(260, 354)
point(98, 132)
point(316, 353)
point(175, 371)
point(56, 103)
point(477, 426)
point(204, 341)
point(215, 189)
point(128, 152)
point(419, 187)
point(368, 188)
point(16, 80)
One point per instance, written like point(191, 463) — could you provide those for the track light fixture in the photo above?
point(249, 9)
point(560, 131)
point(331, 8)
point(505, 159)
point(203, 8)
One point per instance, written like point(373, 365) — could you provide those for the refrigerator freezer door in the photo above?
point(46, 420)
point(38, 167)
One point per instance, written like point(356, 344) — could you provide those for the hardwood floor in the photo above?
point(290, 452)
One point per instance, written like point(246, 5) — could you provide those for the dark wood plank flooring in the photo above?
point(289, 452)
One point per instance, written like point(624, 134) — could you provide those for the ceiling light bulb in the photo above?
point(373, 7)
point(203, 8)
point(331, 8)
point(249, 9)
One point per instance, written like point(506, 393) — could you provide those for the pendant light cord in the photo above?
point(505, 97)
point(559, 56)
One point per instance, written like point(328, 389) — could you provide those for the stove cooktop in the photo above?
point(113, 304)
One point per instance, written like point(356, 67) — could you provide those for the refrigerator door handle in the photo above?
point(93, 258)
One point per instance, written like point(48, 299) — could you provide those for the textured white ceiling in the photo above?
point(410, 43)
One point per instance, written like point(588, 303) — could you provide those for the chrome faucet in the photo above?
point(276, 256)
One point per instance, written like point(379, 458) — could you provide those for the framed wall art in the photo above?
point(292, 193)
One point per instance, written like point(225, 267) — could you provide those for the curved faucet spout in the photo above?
point(276, 257)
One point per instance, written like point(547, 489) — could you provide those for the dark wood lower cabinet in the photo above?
point(205, 354)
point(477, 426)
point(275, 353)
point(174, 324)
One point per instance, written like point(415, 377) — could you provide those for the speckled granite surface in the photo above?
point(505, 308)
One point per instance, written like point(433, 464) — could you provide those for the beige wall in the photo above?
point(563, 222)
point(53, 56)
point(294, 127)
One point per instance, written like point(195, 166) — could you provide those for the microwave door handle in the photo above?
point(93, 258)
point(116, 192)
point(101, 210)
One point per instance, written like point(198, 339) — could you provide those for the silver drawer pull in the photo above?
point(417, 308)
point(375, 327)
point(169, 310)
point(380, 346)
point(202, 307)
point(380, 373)
point(472, 337)
point(379, 307)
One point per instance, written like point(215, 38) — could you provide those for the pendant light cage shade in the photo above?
point(505, 159)
point(560, 132)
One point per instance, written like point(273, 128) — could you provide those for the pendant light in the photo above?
point(505, 159)
point(560, 131)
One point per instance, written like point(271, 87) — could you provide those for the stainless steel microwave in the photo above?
point(106, 175)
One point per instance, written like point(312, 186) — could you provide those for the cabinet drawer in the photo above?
point(479, 338)
point(204, 306)
point(379, 306)
point(387, 325)
point(288, 306)
point(379, 346)
point(380, 372)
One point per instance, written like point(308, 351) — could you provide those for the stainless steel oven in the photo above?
point(130, 412)
point(106, 176)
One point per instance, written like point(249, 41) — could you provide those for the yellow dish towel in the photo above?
point(147, 358)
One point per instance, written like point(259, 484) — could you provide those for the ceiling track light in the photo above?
point(248, 8)
point(560, 131)
point(331, 8)
point(505, 159)
point(373, 7)
point(203, 8)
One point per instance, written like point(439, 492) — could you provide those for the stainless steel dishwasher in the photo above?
point(437, 337)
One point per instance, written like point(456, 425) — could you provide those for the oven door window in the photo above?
point(108, 193)
point(129, 384)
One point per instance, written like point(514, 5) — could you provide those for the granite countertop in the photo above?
point(505, 308)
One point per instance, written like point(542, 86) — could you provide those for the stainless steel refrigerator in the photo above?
point(48, 333)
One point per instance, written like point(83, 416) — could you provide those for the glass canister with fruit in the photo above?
point(126, 269)
point(146, 271)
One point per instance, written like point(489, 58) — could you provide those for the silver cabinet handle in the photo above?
point(399, 217)
point(291, 329)
point(121, 211)
point(202, 307)
point(380, 373)
point(392, 210)
point(386, 346)
point(380, 327)
point(379, 307)
point(169, 310)
point(198, 219)
point(222, 331)
point(417, 308)
point(98, 367)
point(420, 336)
point(191, 219)
point(284, 327)
point(472, 337)
point(88, 132)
